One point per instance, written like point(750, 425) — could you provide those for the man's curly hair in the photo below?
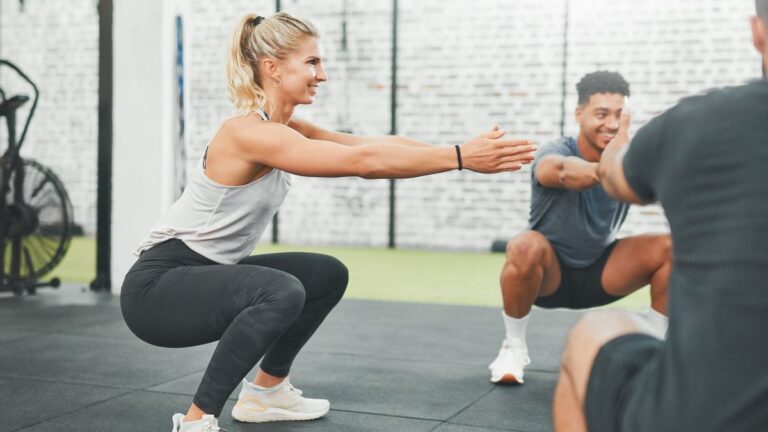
point(601, 82)
point(762, 9)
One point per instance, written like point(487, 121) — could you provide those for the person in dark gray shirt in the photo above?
point(570, 256)
point(705, 160)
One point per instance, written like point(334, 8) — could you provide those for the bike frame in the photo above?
point(13, 166)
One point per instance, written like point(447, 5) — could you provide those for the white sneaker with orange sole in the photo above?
point(280, 403)
point(510, 363)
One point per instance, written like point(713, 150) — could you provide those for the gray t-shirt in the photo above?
point(706, 161)
point(579, 225)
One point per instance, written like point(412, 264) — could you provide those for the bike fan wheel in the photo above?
point(39, 227)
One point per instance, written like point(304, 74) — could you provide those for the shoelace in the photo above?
point(506, 346)
point(514, 350)
point(210, 427)
point(289, 387)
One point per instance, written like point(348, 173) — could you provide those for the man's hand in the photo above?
point(622, 137)
point(610, 171)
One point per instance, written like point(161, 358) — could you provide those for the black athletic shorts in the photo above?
point(620, 367)
point(580, 288)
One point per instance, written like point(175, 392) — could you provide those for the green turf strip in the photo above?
point(379, 274)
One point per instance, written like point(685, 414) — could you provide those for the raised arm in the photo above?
point(313, 131)
point(281, 147)
point(611, 166)
point(566, 172)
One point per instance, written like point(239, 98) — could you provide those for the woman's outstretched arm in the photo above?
point(281, 147)
point(312, 131)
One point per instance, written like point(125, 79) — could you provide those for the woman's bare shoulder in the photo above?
point(245, 121)
point(248, 128)
point(250, 131)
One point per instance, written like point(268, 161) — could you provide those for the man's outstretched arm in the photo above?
point(566, 172)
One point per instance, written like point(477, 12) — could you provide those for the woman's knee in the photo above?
point(289, 291)
point(277, 289)
point(338, 276)
point(335, 275)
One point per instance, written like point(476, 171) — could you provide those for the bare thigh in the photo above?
point(632, 263)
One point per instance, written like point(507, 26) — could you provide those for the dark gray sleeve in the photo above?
point(644, 159)
point(557, 147)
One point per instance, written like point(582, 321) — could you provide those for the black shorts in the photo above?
point(580, 288)
point(620, 367)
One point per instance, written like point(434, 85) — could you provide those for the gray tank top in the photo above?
point(221, 223)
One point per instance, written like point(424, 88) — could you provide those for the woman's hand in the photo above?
point(488, 153)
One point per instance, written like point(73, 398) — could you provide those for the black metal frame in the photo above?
point(393, 126)
point(276, 217)
point(103, 280)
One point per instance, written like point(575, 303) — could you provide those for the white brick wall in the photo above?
point(463, 66)
point(356, 97)
point(471, 65)
point(666, 50)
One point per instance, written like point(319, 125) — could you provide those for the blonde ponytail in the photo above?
point(255, 38)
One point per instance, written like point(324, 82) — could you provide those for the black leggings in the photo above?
point(266, 306)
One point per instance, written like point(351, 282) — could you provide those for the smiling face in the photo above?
point(301, 71)
point(599, 120)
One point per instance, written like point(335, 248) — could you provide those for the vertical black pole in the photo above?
point(275, 218)
point(564, 89)
point(393, 122)
point(103, 281)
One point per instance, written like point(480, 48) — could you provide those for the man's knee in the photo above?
point(584, 340)
point(594, 330)
point(525, 251)
point(664, 248)
point(657, 250)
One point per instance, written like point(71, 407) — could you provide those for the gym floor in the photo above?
point(68, 363)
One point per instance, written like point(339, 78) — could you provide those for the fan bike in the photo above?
point(35, 212)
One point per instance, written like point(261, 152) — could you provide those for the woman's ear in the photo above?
point(269, 68)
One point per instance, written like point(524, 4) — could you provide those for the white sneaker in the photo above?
point(208, 423)
point(509, 364)
point(280, 403)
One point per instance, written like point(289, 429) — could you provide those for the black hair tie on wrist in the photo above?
point(256, 21)
point(458, 156)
